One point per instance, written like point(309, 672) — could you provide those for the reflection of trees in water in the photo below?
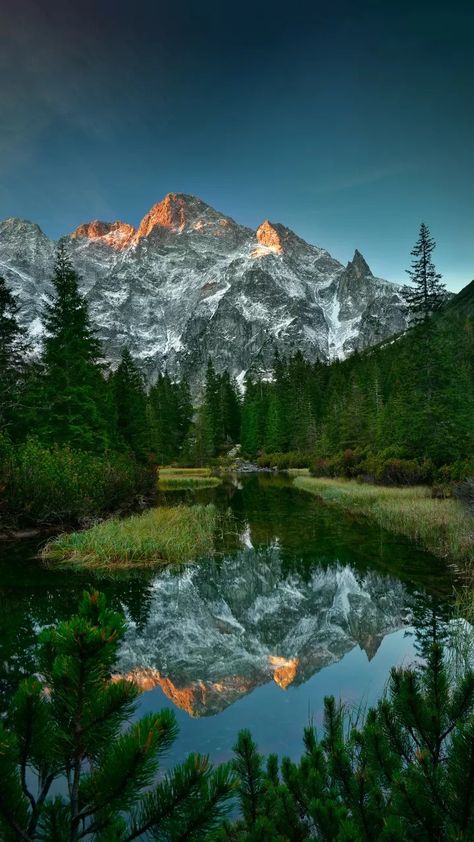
point(32, 597)
point(431, 621)
point(307, 535)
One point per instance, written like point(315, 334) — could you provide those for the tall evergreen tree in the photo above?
point(172, 413)
point(73, 391)
point(131, 402)
point(428, 293)
point(12, 350)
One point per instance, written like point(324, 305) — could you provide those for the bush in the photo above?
point(403, 775)
point(284, 461)
point(404, 472)
point(385, 467)
point(59, 485)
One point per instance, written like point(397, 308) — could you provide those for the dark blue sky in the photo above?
point(350, 122)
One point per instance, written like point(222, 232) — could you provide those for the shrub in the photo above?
point(284, 461)
point(404, 472)
point(404, 775)
point(60, 485)
point(384, 467)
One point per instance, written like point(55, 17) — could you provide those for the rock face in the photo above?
point(215, 632)
point(190, 283)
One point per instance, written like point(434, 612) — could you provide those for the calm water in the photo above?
point(309, 603)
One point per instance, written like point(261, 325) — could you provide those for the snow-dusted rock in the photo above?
point(215, 631)
point(190, 283)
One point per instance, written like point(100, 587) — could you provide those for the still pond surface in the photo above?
point(308, 603)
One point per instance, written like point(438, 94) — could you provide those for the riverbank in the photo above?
point(160, 536)
point(442, 526)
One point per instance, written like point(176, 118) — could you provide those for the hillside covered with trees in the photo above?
point(77, 438)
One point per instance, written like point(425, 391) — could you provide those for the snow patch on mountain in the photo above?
point(190, 283)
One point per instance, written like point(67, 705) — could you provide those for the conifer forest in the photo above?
point(236, 421)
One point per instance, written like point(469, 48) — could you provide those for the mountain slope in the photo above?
point(190, 282)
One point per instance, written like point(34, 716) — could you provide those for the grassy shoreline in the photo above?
point(166, 535)
point(442, 526)
point(183, 479)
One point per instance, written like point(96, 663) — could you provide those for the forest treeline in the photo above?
point(76, 437)
point(403, 411)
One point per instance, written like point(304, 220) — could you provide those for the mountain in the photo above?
point(190, 283)
point(215, 632)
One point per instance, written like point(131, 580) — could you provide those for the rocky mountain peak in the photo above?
point(115, 234)
point(13, 225)
point(358, 266)
point(179, 212)
point(191, 283)
point(272, 235)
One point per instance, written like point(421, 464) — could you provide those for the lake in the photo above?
point(308, 602)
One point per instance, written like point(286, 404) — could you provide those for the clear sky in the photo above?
point(349, 122)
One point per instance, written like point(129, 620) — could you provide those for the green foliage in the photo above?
point(285, 461)
point(61, 485)
point(130, 403)
point(73, 410)
point(216, 424)
point(405, 775)
point(73, 724)
point(404, 409)
point(428, 293)
point(170, 416)
point(12, 350)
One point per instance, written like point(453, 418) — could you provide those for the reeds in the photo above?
point(442, 526)
point(181, 479)
point(159, 536)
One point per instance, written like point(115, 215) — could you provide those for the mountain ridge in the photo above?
point(189, 283)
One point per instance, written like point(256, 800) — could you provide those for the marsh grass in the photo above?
point(441, 526)
point(157, 537)
point(181, 479)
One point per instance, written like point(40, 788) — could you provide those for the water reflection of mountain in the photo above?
point(219, 629)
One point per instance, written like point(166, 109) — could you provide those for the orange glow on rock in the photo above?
point(117, 235)
point(195, 698)
point(284, 670)
point(268, 235)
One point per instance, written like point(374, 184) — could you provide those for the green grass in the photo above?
point(159, 536)
point(442, 526)
point(180, 479)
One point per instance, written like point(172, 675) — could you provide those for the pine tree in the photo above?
point(428, 293)
point(73, 724)
point(12, 351)
point(73, 390)
point(172, 413)
point(131, 406)
point(406, 775)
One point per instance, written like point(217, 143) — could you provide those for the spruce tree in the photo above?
point(428, 293)
point(12, 352)
point(73, 389)
point(172, 412)
point(72, 724)
point(131, 406)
